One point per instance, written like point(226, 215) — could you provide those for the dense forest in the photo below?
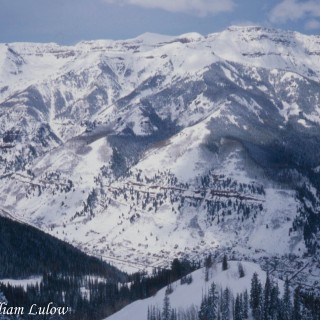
point(27, 251)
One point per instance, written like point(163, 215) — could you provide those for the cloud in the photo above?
point(294, 10)
point(312, 24)
point(246, 23)
point(197, 7)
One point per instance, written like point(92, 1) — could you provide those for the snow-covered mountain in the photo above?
point(158, 147)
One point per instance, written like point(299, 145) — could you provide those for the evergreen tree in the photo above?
point(224, 263)
point(225, 305)
point(153, 313)
point(173, 315)
point(176, 268)
point(169, 289)
point(212, 302)
point(208, 262)
point(245, 305)
point(286, 302)
point(275, 304)
point(267, 299)
point(241, 270)
point(166, 311)
point(149, 313)
point(255, 296)
point(2, 297)
point(206, 274)
point(238, 308)
point(204, 306)
point(296, 311)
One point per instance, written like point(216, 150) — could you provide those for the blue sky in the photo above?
point(70, 21)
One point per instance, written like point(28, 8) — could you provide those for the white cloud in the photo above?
point(313, 24)
point(246, 23)
point(198, 7)
point(294, 10)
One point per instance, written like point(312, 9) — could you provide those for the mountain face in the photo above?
point(158, 147)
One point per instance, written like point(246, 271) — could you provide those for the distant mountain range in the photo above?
point(157, 147)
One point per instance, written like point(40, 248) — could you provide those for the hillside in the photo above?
point(27, 251)
point(185, 296)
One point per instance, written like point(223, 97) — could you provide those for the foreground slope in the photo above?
point(185, 296)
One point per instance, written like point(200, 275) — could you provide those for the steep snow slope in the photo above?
point(185, 296)
point(269, 48)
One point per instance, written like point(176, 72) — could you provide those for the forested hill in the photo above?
point(27, 251)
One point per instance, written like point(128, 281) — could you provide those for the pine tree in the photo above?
point(212, 302)
point(206, 274)
point(176, 269)
point(208, 264)
point(238, 308)
point(245, 305)
point(225, 305)
point(166, 308)
point(286, 302)
point(296, 311)
point(267, 299)
point(255, 296)
point(152, 313)
point(2, 297)
point(224, 263)
point(203, 312)
point(241, 304)
point(275, 302)
point(241, 270)
point(169, 289)
point(173, 315)
point(208, 261)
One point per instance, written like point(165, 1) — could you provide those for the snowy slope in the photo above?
point(184, 296)
point(269, 48)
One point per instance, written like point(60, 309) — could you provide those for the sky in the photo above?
point(70, 21)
